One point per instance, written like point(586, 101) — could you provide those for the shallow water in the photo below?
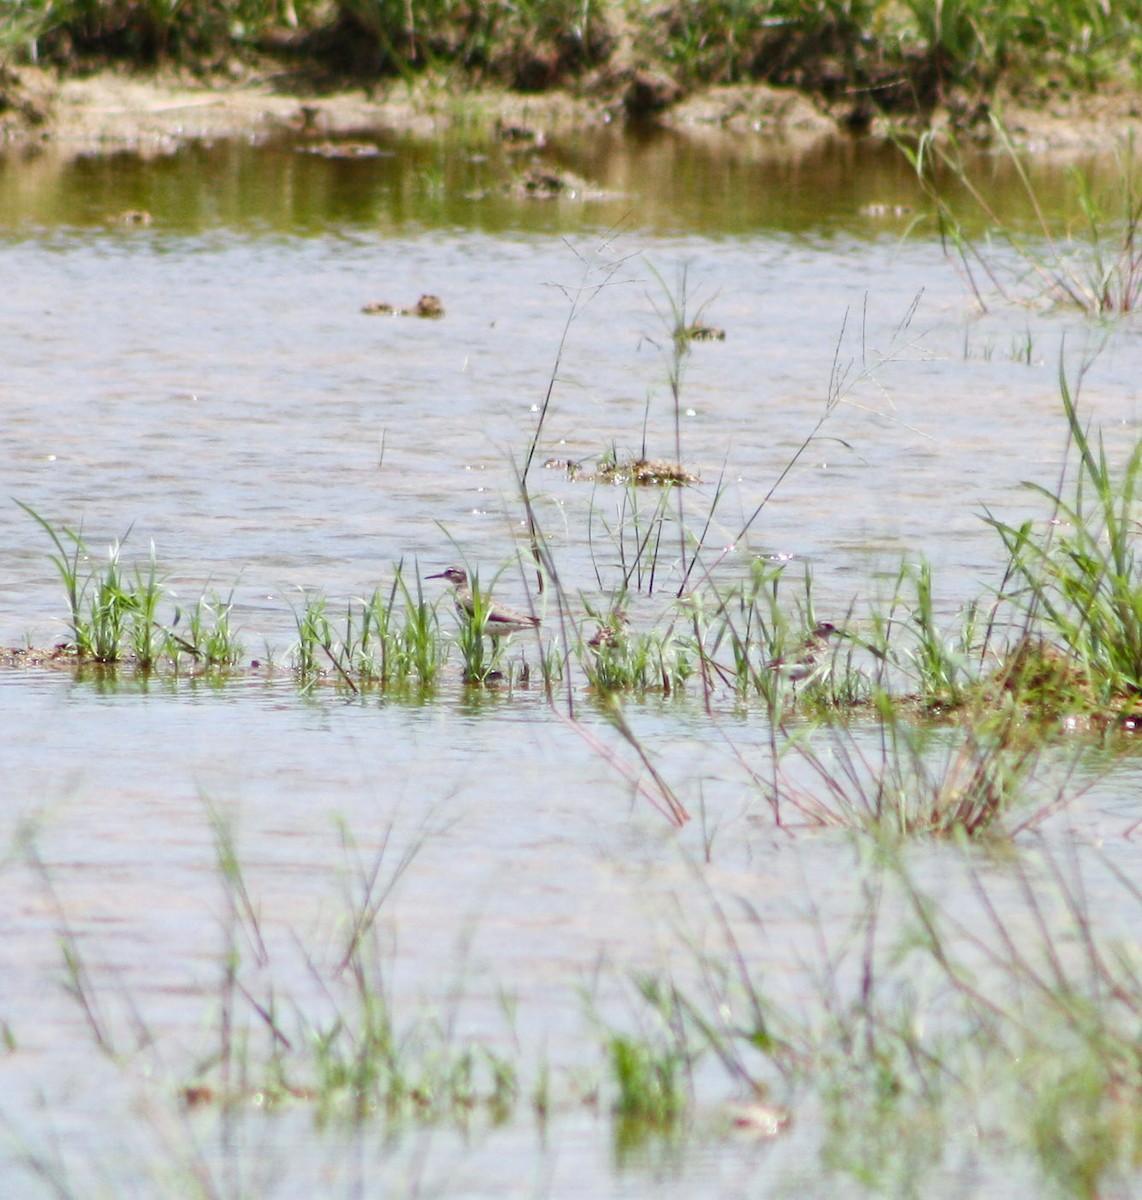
point(226, 399)
point(209, 383)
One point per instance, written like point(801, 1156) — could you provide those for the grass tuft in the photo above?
point(391, 640)
point(114, 611)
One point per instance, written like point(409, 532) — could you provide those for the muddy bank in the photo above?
point(115, 110)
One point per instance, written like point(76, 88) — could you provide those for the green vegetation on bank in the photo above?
point(897, 56)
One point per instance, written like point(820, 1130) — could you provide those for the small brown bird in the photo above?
point(808, 658)
point(611, 633)
point(498, 621)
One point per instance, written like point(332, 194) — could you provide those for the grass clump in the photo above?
point(1079, 582)
point(917, 781)
point(939, 666)
point(649, 1067)
point(1060, 1007)
point(616, 658)
point(361, 1064)
point(1013, 1011)
point(531, 46)
point(649, 1091)
point(114, 611)
point(1041, 680)
point(146, 32)
point(392, 639)
point(209, 637)
point(348, 1051)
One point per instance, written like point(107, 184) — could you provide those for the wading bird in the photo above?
point(808, 658)
point(498, 621)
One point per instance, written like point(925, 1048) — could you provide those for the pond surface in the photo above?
point(207, 383)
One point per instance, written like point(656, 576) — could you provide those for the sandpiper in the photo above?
point(807, 659)
point(498, 621)
point(611, 632)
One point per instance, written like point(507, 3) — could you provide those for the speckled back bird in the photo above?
point(498, 620)
point(807, 658)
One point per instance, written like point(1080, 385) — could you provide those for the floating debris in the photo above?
point(646, 472)
point(574, 469)
point(762, 1120)
point(345, 150)
point(540, 183)
point(520, 135)
point(701, 333)
point(34, 656)
point(427, 306)
point(886, 210)
point(547, 183)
